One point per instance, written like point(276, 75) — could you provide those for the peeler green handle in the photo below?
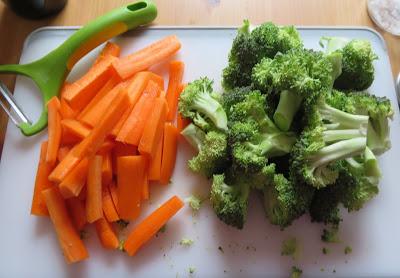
point(49, 72)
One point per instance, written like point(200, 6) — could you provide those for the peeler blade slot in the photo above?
point(15, 113)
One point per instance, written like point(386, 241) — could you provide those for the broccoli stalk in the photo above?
point(198, 103)
point(289, 104)
point(194, 136)
point(331, 135)
point(230, 201)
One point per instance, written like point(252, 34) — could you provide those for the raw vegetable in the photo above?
point(169, 153)
point(151, 224)
point(94, 206)
point(54, 129)
point(106, 234)
point(175, 80)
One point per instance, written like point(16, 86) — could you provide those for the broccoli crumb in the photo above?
point(161, 230)
point(296, 272)
point(290, 248)
point(331, 235)
point(121, 245)
point(192, 270)
point(322, 269)
point(122, 224)
point(83, 234)
point(347, 250)
point(194, 203)
point(334, 271)
point(325, 250)
point(186, 242)
point(220, 249)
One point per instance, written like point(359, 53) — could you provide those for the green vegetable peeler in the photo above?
point(50, 71)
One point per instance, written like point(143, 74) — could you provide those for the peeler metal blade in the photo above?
point(15, 113)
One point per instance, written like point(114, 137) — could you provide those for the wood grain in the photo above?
point(13, 29)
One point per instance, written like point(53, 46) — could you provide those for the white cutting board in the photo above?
point(29, 248)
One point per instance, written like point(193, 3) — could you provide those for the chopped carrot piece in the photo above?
point(110, 84)
point(76, 209)
point(54, 129)
point(83, 90)
point(106, 169)
point(148, 56)
point(106, 234)
point(38, 207)
point(72, 246)
point(92, 117)
point(75, 128)
point(109, 49)
point(153, 129)
point(175, 79)
point(66, 111)
point(92, 143)
point(109, 209)
point(145, 190)
point(130, 177)
point(154, 172)
point(169, 153)
point(73, 183)
point(121, 149)
point(106, 147)
point(64, 88)
point(62, 152)
point(132, 129)
point(94, 206)
point(146, 229)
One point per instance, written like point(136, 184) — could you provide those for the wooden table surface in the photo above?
point(13, 29)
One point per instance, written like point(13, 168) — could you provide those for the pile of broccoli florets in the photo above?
point(292, 123)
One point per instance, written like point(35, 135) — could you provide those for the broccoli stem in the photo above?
point(342, 119)
point(371, 164)
point(289, 104)
point(337, 151)
point(194, 135)
point(212, 109)
point(342, 134)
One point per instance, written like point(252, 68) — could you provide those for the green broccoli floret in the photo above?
point(357, 62)
point(212, 156)
point(253, 136)
point(298, 76)
point(290, 247)
point(359, 181)
point(379, 110)
point(200, 104)
point(251, 45)
point(296, 272)
point(330, 135)
point(194, 202)
point(285, 201)
point(230, 201)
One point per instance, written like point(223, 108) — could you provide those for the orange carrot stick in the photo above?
point(75, 128)
point(121, 149)
point(66, 111)
point(38, 207)
point(146, 229)
point(106, 234)
point(94, 206)
point(130, 177)
point(83, 90)
point(154, 172)
point(54, 129)
point(114, 195)
point(64, 88)
point(110, 84)
point(152, 131)
point(106, 169)
point(145, 190)
point(169, 153)
point(72, 246)
point(62, 152)
point(110, 212)
point(109, 49)
point(92, 117)
point(175, 79)
point(76, 210)
point(92, 143)
point(132, 129)
point(106, 147)
point(73, 183)
point(148, 56)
